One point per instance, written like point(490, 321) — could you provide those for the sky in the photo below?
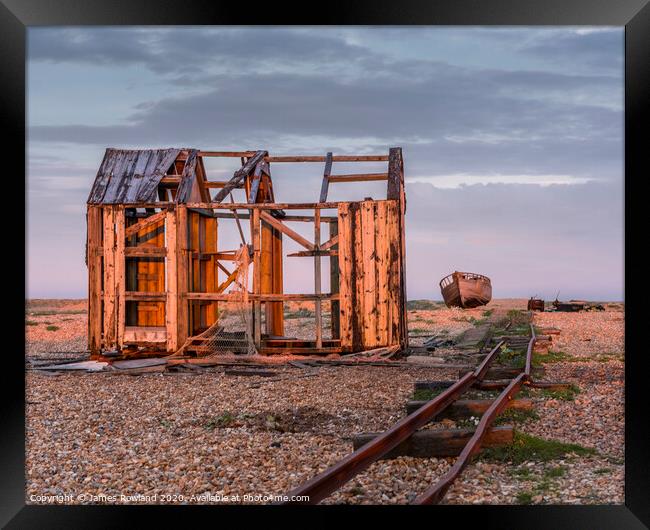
point(512, 137)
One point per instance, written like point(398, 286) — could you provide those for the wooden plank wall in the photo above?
point(109, 323)
point(94, 259)
point(149, 274)
point(203, 273)
point(271, 281)
point(182, 278)
point(334, 284)
point(370, 276)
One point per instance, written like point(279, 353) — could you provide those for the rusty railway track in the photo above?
point(333, 478)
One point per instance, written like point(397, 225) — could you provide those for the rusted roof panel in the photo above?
point(130, 175)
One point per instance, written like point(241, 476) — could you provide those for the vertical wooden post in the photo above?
point(317, 279)
point(211, 275)
point(257, 278)
point(368, 268)
point(94, 260)
point(266, 271)
point(396, 192)
point(171, 269)
point(182, 283)
point(277, 308)
point(109, 277)
point(334, 284)
point(382, 241)
point(120, 274)
point(271, 277)
point(346, 278)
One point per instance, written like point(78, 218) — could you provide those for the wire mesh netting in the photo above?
point(232, 332)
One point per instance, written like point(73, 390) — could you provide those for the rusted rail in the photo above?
point(334, 477)
point(436, 492)
point(340, 473)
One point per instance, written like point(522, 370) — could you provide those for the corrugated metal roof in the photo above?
point(127, 176)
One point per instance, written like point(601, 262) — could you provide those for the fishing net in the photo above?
point(232, 332)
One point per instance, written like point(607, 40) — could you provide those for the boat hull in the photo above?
point(467, 290)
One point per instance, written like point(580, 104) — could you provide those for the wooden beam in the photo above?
point(465, 408)
point(335, 317)
point(215, 184)
point(312, 253)
point(330, 242)
point(226, 283)
point(144, 334)
point(227, 154)
point(317, 281)
point(240, 205)
point(439, 442)
point(326, 178)
point(286, 230)
point(201, 179)
point(217, 297)
point(144, 296)
point(257, 277)
point(144, 223)
point(394, 170)
point(346, 270)
point(287, 218)
point(188, 176)
point(110, 326)
point(271, 274)
point(182, 271)
point(255, 186)
point(94, 253)
point(240, 175)
point(145, 252)
point(171, 269)
point(359, 177)
point(337, 158)
point(170, 180)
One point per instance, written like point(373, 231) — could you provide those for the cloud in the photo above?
point(458, 180)
point(447, 111)
point(544, 108)
point(528, 239)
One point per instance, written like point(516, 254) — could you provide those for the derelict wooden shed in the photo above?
point(154, 255)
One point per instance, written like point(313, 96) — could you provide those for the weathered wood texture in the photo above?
point(202, 252)
point(109, 322)
point(153, 258)
point(326, 178)
point(439, 442)
point(171, 307)
point(271, 277)
point(94, 257)
point(465, 408)
point(188, 177)
point(182, 279)
point(334, 282)
point(397, 192)
point(239, 175)
point(371, 297)
point(126, 176)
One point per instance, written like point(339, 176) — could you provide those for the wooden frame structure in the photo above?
point(153, 255)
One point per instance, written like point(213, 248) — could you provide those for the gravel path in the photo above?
point(214, 436)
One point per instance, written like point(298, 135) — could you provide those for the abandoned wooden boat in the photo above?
point(466, 289)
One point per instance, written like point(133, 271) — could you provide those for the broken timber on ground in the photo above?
point(154, 256)
point(438, 442)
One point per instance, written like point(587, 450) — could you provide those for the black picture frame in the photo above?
point(17, 15)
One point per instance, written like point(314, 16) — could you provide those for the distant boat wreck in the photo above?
point(466, 289)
